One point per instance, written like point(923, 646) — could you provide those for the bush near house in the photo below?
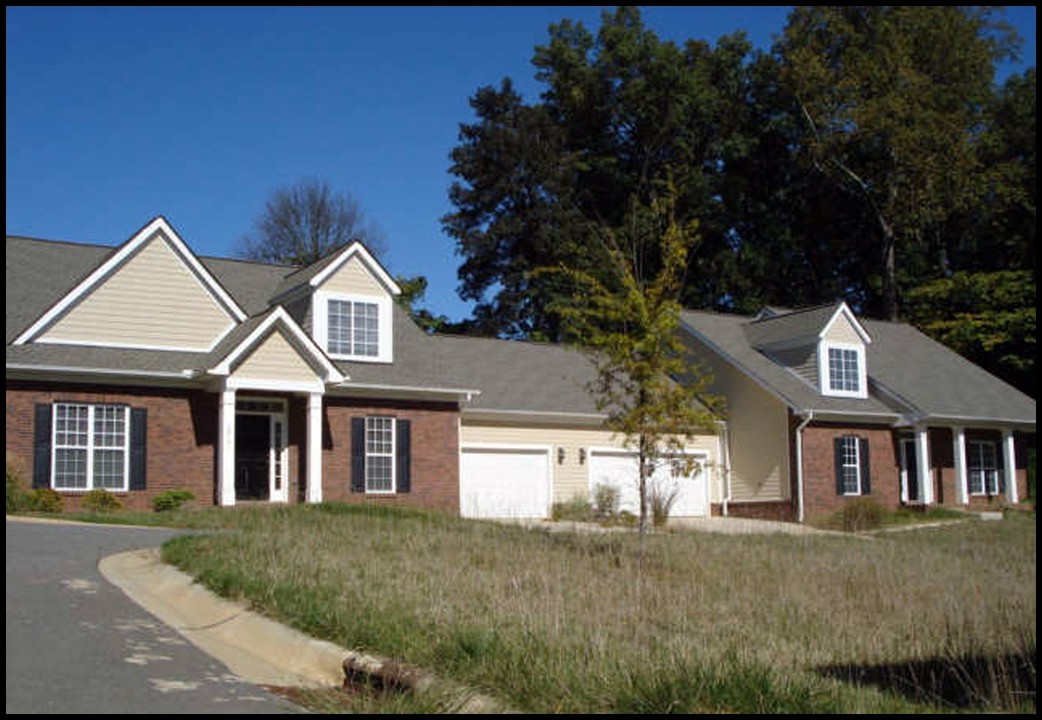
point(101, 501)
point(171, 500)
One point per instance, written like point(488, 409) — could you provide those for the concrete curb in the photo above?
point(253, 647)
point(260, 650)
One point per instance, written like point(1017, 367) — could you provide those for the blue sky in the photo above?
point(116, 115)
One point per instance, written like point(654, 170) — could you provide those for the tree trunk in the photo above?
point(643, 460)
point(889, 269)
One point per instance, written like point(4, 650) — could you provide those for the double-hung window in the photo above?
point(91, 446)
point(354, 328)
point(983, 468)
point(379, 455)
point(853, 474)
point(843, 370)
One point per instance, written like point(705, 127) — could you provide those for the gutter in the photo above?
point(799, 464)
point(724, 451)
point(180, 375)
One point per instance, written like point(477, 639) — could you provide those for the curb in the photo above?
point(260, 650)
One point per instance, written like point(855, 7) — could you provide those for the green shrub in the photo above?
point(576, 510)
point(17, 499)
point(102, 501)
point(605, 500)
point(171, 500)
point(662, 502)
point(45, 500)
point(862, 513)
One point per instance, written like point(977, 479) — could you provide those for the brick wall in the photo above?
point(435, 452)
point(819, 467)
point(182, 433)
point(782, 510)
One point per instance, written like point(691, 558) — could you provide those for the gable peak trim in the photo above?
point(355, 247)
point(843, 309)
point(120, 255)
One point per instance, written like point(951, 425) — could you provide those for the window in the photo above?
point(850, 466)
point(379, 455)
point(354, 328)
point(843, 370)
point(90, 446)
point(983, 468)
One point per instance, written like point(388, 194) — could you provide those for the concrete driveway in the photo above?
point(77, 644)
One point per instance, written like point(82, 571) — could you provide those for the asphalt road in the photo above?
point(77, 644)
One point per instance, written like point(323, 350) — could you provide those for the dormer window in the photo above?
point(353, 327)
point(842, 370)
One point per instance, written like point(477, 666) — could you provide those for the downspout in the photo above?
point(724, 453)
point(799, 464)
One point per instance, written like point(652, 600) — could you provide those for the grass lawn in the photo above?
point(939, 619)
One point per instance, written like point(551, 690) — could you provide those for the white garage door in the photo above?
point(620, 470)
point(505, 482)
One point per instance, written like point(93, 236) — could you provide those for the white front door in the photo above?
point(261, 450)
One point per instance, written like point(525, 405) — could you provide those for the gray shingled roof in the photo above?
point(928, 379)
point(509, 375)
point(807, 323)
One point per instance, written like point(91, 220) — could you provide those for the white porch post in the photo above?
point(962, 490)
point(226, 449)
point(314, 451)
point(1009, 465)
point(922, 452)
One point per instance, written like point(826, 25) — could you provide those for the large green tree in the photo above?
point(621, 111)
point(893, 98)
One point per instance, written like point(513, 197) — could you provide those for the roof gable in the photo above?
point(318, 273)
point(130, 290)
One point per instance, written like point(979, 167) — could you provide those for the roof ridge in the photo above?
point(798, 311)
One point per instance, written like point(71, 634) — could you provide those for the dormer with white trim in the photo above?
point(826, 346)
point(842, 360)
point(346, 302)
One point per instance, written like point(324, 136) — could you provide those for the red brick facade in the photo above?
point(435, 452)
point(182, 442)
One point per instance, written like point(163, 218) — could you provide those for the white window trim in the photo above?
point(823, 370)
point(90, 447)
point(994, 471)
point(320, 324)
point(393, 455)
point(857, 464)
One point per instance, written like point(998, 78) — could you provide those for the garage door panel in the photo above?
point(504, 483)
point(621, 470)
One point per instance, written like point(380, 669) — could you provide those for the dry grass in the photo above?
point(564, 623)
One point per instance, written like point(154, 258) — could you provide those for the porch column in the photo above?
point(1009, 465)
point(962, 490)
point(314, 451)
point(226, 449)
point(922, 454)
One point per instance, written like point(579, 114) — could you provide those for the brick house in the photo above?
point(824, 407)
point(142, 368)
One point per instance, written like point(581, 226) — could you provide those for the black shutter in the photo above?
point(42, 447)
point(866, 469)
point(837, 447)
point(358, 454)
point(403, 459)
point(138, 448)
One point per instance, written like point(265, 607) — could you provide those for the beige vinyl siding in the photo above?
point(843, 331)
point(275, 359)
point(152, 300)
point(570, 478)
point(757, 428)
point(354, 278)
point(802, 360)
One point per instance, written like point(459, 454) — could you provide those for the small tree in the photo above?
point(652, 392)
point(303, 222)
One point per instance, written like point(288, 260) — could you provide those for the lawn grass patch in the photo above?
point(562, 622)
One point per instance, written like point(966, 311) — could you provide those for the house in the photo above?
point(824, 407)
point(143, 368)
